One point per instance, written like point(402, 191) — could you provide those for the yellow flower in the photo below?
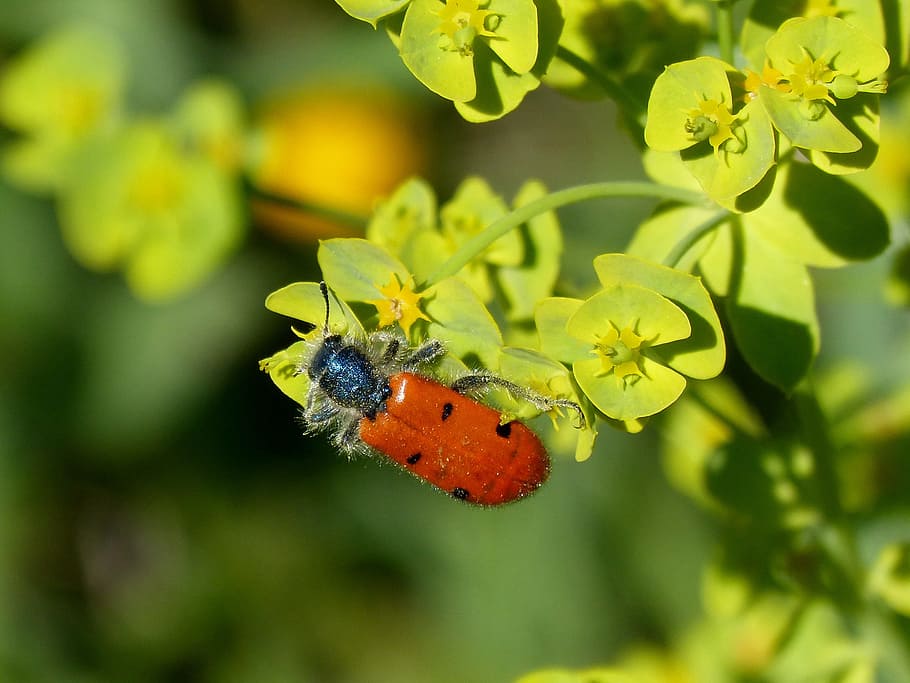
point(769, 76)
point(620, 353)
point(400, 303)
point(465, 19)
point(810, 79)
point(711, 120)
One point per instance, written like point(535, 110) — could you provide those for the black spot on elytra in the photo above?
point(504, 430)
point(413, 459)
point(446, 411)
point(460, 493)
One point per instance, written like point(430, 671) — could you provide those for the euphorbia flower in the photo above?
point(400, 303)
point(624, 325)
point(441, 41)
point(462, 21)
point(711, 120)
point(810, 78)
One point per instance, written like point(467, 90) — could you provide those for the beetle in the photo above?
point(374, 394)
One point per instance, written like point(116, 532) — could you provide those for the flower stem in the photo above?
point(724, 19)
point(497, 229)
point(613, 88)
point(690, 238)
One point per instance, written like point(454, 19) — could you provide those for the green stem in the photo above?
point(613, 88)
point(689, 239)
point(725, 29)
point(523, 214)
point(319, 210)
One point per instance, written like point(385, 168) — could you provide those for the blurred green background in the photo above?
point(162, 518)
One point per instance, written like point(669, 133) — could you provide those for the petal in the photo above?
point(649, 314)
point(647, 394)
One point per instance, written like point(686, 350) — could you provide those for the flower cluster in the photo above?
point(813, 90)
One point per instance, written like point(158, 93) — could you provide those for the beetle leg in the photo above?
point(424, 354)
point(481, 381)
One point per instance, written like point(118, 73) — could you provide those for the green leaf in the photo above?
point(461, 320)
point(533, 370)
point(533, 279)
point(678, 90)
point(716, 265)
point(409, 210)
point(825, 133)
point(515, 41)
point(657, 388)
point(703, 353)
point(667, 168)
point(499, 89)
point(355, 268)
point(285, 368)
point(725, 173)
point(303, 301)
point(371, 11)
point(736, 475)
point(426, 252)
point(550, 317)
point(698, 427)
point(550, 24)
point(860, 114)
point(771, 308)
point(432, 57)
point(656, 237)
point(818, 219)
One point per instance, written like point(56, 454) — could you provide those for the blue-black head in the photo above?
point(346, 374)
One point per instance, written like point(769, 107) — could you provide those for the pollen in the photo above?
point(399, 303)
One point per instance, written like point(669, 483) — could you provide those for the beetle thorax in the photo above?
point(348, 377)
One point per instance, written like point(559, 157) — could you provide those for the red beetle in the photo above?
point(371, 395)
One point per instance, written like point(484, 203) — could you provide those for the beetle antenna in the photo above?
point(325, 295)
